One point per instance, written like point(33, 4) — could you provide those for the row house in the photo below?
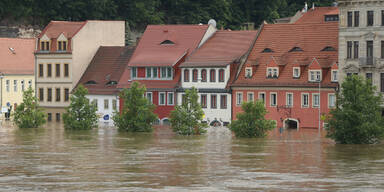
point(361, 40)
point(293, 69)
point(211, 69)
point(101, 78)
point(16, 70)
point(63, 51)
point(156, 60)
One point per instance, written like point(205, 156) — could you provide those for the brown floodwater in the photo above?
point(103, 159)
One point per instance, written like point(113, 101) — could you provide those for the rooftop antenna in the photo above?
point(12, 50)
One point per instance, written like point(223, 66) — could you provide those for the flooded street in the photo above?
point(52, 159)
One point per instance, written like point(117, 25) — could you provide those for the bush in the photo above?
point(137, 113)
point(357, 117)
point(80, 114)
point(28, 114)
point(251, 122)
point(186, 118)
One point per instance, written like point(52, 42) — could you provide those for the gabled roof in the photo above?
point(317, 15)
point(55, 28)
point(17, 56)
point(223, 48)
point(107, 66)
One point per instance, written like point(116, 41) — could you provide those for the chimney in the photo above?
point(313, 6)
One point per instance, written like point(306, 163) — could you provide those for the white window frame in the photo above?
point(333, 77)
point(146, 72)
point(248, 96)
point(248, 72)
point(165, 98)
point(106, 104)
point(313, 100)
point(265, 97)
point(14, 85)
point(302, 100)
point(315, 72)
point(22, 85)
point(149, 93)
point(157, 73)
point(29, 83)
point(239, 95)
point(270, 99)
point(134, 69)
point(172, 100)
point(7, 85)
point(293, 72)
point(329, 100)
point(287, 99)
point(272, 70)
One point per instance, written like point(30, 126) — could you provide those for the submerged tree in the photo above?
point(137, 113)
point(187, 118)
point(251, 122)
point(81, 114)
point(28, 114)
point(357, 117)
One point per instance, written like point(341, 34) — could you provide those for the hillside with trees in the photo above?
point(139, 13)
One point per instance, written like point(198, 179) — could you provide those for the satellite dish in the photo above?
point(212, 22)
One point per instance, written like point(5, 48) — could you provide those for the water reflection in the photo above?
point(104, 159)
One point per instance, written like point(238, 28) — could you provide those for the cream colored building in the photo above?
point(16, 70)
point(63, 51)
point(361, 40)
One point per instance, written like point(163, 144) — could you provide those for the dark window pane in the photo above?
point(349, 19)
point(356, 18)
point(370, 18)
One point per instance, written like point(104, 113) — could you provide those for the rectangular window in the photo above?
point(262, 97)
point(239, 98)
point(134, 72)
point(212, 75)
point(289, 99)
point(382, 82)
point(349, 18)
point(382, 18)
point(170, 98)
point(163, 72)
point(368, 76)
point(57, 117)
point(169, 72)
point(355, 49)
point(114, 104)
point(250, 97)
point(349, 49)
point(162, 98)
point(315, 100)
point(296, 72)
point(369, 18)
point(106, 104)
point(149, 96)
point(95, 103)
point(369, 52)
point(22, 85)
point(49, 97)
point(304, 100)
point(382, 49)
point(248, 72)
point(221, 75)
point(66, 94)
point(58, 94)
point(149, 72)
point(41, 70)
point(57, 70)
point(49, 70)
point(7, 82)
point(203, 101)
point(66, 70)
point(49, 116)
point(154, 69)
point(186, 75)
point(15, 85)
point(356, 18)
point(59, 46)
point(334, 76)
point(213, 101)
point(30, 83)
point(62, 45)
point(315, 75)
point(273, 98)
point(223, 101)
point(331, 100)
point(41, 94)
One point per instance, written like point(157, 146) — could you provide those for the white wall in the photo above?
point(100, 104)
point(207, 84)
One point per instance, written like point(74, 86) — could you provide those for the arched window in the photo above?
point(221, 75)
point(203, 75)
point(212, 75)
point(167, 42)
point(186, 75)
point(194, 75)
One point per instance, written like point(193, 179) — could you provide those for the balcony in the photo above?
point(368, 62)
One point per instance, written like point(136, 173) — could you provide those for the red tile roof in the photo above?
point(223, 48)
point(17, 56)
point(312, 38)
point(107, 65)
point(317, 15)
point(68, 28)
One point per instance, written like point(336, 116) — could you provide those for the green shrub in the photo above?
point(28, 114)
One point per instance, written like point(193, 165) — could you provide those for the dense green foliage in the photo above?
point(81, 114)
point(228, 13)
point(137, 113)
point(28, 114)
point(186, 118)
point(251, 122)
point(357, 117)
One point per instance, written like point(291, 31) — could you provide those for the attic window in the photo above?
point(329, 48)
point(296, 49)
point(167, 42)
point(112, 83)
point(267, 50)
point(91, 82)
point(328, 18)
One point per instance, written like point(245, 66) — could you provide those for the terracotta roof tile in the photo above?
point(68, 28)
point(318, 15)
point(17, 56)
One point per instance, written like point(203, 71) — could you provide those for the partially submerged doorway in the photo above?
point(291, 124)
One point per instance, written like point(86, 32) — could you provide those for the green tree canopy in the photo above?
point(357, 117)
point(251, 122)
point(28, 114)
point(81, 114)
point(137, 113)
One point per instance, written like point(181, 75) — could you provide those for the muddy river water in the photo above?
point(103, 159)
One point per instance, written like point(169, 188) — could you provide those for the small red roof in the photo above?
point(317, 15)
point(223, 48)
point(68, 28)
point(107, 66)
point(17, 56)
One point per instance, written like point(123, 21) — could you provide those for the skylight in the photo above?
point(329, 48)
point(296, 49)
point(90, 82)
point(267, 50)
point(167, 42)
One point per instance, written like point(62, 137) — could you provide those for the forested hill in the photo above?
point(228, 13)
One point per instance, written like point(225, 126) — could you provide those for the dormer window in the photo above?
point(91, 82)
point(296, 72)
point(267, 50)
point(248, 72)
point(329, 48)
point(167, 42)
point(272, 72)
point(62, 45)
point(314, 75)
point(296, 49)
point(111, 83)
point(44, 45)
point(329, 18)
